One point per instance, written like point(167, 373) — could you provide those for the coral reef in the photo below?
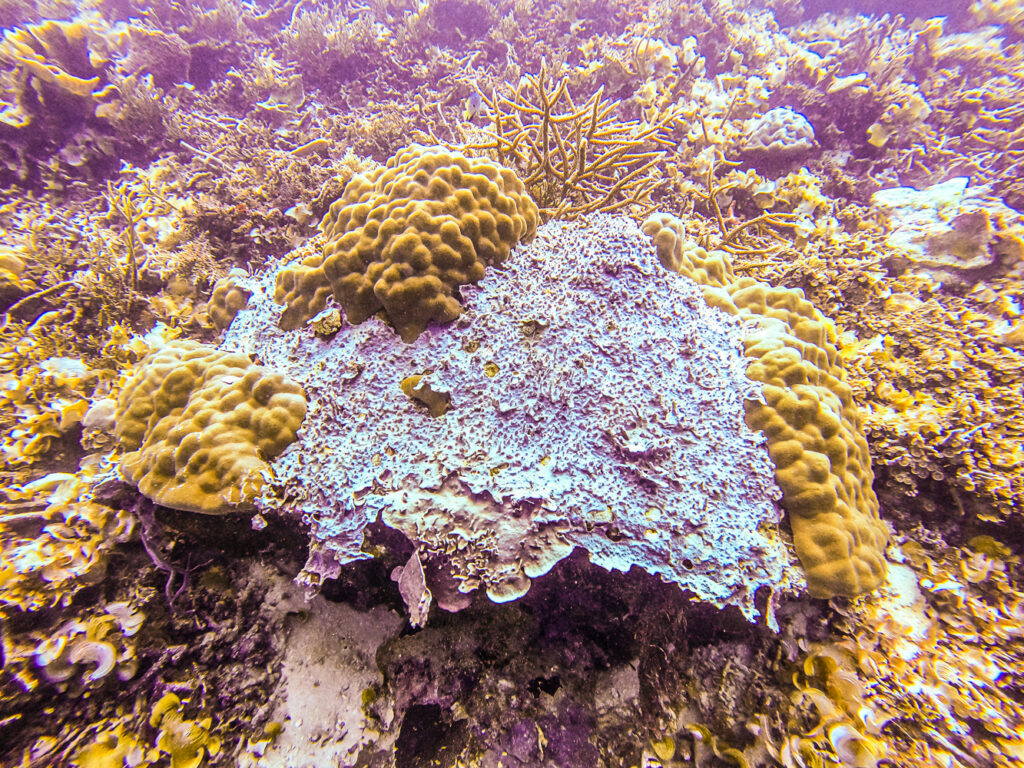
point(147, 149)
point(404, 238)
point(539, 451)
point(199, 426)
point(814, 431)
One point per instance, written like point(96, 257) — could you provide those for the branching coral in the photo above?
point(933, 370)
point(574, 159)
point(75, 274)
point(979, 130)
point(934, 365)
point(1004, 12)
point(325, 43)
point(933, 351)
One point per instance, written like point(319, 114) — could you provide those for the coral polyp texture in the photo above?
point(227, 299)
point(198, 426)
point(551, 437)
point(815, 434)
point(405, 237)
point(782, 131)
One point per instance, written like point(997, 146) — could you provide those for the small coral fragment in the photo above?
point(199, 426)
point(403, 238)
point(781, 130)
point(815, 435)
point(112, 749)
point(436, 401)
point(184, 741)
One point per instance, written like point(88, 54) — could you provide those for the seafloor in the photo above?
point(517, 517)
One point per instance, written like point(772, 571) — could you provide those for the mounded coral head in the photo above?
point(814, 430)
point(781, 130)
point(403, 238)
point(198, 426)
point(228, 299)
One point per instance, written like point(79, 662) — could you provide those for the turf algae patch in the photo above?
point(618, 428)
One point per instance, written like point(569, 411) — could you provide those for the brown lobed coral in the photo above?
point(199, 425)
point(403, 238)
point(228, 299)
point(814, 430)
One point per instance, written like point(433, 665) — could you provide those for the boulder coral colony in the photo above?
point(516, 383)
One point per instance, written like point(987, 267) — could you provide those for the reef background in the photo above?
point(147, 150)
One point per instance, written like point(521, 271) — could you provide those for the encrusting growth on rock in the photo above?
point(199, 425)
point(815, 435)
point(403, 238)
point(529, 429)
